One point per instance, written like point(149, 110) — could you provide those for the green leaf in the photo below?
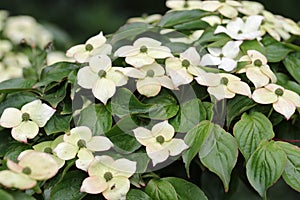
point(251, 130)
point(135, 194)
point(197, 24)
point(5, 141)
point(180, 17)
point(292, 64)
point(209, 108)
point(291, 173)
point(56, 95)
point(219, 152)
point(186, 190)
point(275, 51)
point(14, 149)
point(209, 36)
point(56, 73)
point(16, 100)
point(237, 106)
point(265, 166)
point(191, 113)
point(161, 190)
point(97, 118)
point(19, 195)
point(252, 45)
point(194, 139)
point(283, 80)
point(122, 137)
point(5, 195)
point(16, 85)
point(58, 123)
point(69, 187)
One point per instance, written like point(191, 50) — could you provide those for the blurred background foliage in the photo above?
point(81, 19)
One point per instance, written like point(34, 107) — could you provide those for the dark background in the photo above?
point(84, 18)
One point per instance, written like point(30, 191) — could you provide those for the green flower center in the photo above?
point(108, 176)
point(48, 150)
point(150, 73)
point(81, 144)
point(258, 63)
point(143, 49)
point(26, 170)
point(185, 63)
point(279, 92)
point(89, 47)
point(224, 81)
point(25, 117)
point(222, 1)
point(160, 139)
point(102, 73)
point(221, 55)
point(186, 4)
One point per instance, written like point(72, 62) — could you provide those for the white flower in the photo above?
point(16, 60)
point(5, 46)
point(93, 46)
point(227, 8)
point(187, 39)
point(25, 123)
point(240, 30)
point(223, 57)
point(223, 85)
point(159, 142)
point(101, 77)
point(150, 79)
point(284, 101)
point(9, 72)
point(32, 167)
point(57, 56)
point(3, 17)
point(251, 8)
point(149, 19)
point(183, 4)
point(257, 71)
point(80, 141)
point(143, 52)
point(109, 177)
point(178, 68)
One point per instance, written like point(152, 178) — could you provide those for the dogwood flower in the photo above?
point(183, 4)
point(143, 52)
point(227, 8)
point(93, 46)
point(5, 46)
point(9, 72)
point(187, 39)
point(223, 85)
point(101, 77)
point(251, 8)
point(223, 57)
point(32, 167)
point(109, 177)
point(150, 79)
point(148, 19)
point(239, 30)
point(284, 101)
point(257, 71)
point(159, 141)
point(25, 123)
point(81, 142)
point(57, 56)
point(178, 68)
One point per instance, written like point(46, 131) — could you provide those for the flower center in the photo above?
point(108, 176)
point(89, 47)
point(224, 81)
point(240, 32)
point(48, 150)
point(150, 73)
point(279, 92)
point(221, 55)
point(26, 170)
point(222, 1)
point(81, 143)
point(160, 139)
point(185, 63)
point(25, 117)
point(102, 73)
point(186, 4)
point(143, 49)
point(258, 63)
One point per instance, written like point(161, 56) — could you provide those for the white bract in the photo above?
point(150, 79)
point(149, 19)
point(284, 101)
point(160, 142)
point(25, 123)
point(109, 177)
point(94, 46)
point(239, 30)
point(101, 77)
point(257, 71)
point(79, 141)
point(227, 8)
point(5, 46)
point(143, 52)
point(57, 56)
point(32, 167)
point(224, 58)
point(251, 8)
point(183, 4)
point(178, 68)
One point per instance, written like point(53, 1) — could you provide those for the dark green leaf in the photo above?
point(161, 190)
point(210, 36)
point(292, 64)
point(283, 80)
point(58, 123)
point(209, 108)
point(191, 113)
point(56, 95)
point(135, 194)
point(16, 100)
point(251, 130)
point(252, 45)
point(186, 190)
point(197, 24)
point(5, 195)
point(19, 195)
point(16, 85)
point(275, 51)
point(97, 118)
point(265, 166)
point(14, 149)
